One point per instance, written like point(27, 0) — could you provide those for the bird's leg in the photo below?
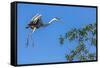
point(31, 36)
point(32, 39)
point(27, 41)
point(28, 38)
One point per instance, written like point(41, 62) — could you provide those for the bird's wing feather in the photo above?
point(34, 16)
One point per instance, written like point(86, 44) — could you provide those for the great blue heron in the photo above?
point(36, 22)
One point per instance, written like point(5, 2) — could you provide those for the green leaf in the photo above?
point(69, 58)
point(93, 42)
point(61, 39)
point(82, 35)
point(94, 32)
point(71, 35)
point(92, 56)
point(82, 57)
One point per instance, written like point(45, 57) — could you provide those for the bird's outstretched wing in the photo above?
point(35, 18)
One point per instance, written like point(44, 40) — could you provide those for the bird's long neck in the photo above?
point(52, 20)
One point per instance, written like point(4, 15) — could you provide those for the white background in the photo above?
point(5, 34)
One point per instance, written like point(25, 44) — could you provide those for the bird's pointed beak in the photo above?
point(58, 19)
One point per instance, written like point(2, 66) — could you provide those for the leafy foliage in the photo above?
point(61, 39)
point(87, 33)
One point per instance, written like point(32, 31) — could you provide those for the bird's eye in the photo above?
point(57, 18)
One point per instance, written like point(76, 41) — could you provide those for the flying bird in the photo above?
point(36, 23)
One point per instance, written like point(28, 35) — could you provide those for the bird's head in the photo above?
point(57, 19)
